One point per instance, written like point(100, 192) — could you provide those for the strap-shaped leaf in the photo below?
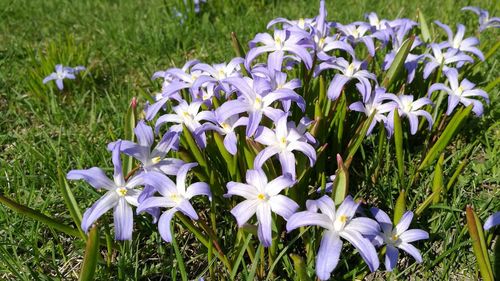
point(473, 225)
point(400, 207)
point(398, 63)
point(445, 138)
point(91, 255)
point(70, 201)
point(26, 211)
point(398, 140)
point(424, 27)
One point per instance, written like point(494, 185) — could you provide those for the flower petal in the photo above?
point(391, 257)
point(101, 206)
point(265, 224)
point(410, 249)
point(123, 219)
point(94, 176)
point(328, 254)
point(244, 211)
point(283, 206)
point(363, 245)
point(413, 235)
point(164, 224)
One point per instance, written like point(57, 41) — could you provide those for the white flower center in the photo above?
point(407, 106)
point(301, 23)
point(283, 143)
point(278, 42)
point(340, 222)
point(226, 127)
point(350, 70)
point(459, 91)
point(262, 197)
point(257, 105)
point(177, 198)
point(60, 75)
point(122, 191)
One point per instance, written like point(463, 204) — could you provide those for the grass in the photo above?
point(122, 43)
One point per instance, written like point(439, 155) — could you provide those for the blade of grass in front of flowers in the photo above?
point(70, 201)
point(90, 258)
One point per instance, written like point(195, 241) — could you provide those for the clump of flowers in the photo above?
point(265, 128)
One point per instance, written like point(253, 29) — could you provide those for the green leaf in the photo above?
point(357, 139)
point(26, 211)
point(437, 180)
point(341, 183)
point(128, 128)
point(239, 51)
point(424, 28)
point(256, 261)
point(91, 255)
point(178, 256)
point(70, 201)
point(194, 149)
point(397, 65)
point(483, 262)
point(445, 138)
point(398, 140)
point(455, 175)
point(241, 253)
point(400, 207)
point(300, 268)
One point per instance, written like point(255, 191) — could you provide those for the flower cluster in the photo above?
point(264, 117)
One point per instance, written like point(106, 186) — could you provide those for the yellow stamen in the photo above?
point(343, 219)
point(156, 160)
point(261, 196)
point(122, 191)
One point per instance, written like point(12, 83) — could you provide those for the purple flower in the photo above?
point(411, 109)
point(460, 93)
point(458, 42)
point(61, 73)
point(262, 198)
point(338, 224)
point(445, 59)
point(188, 115)
point(492, 221)
point(175, 79)
point(256, 98)
point(355, 33)
point(283, 41)
point(215, 74)
point(121, 194)
point(151, 160)
point(354, 70)
point(484, 19)
point(225, 128)
point(397, 237)
point(374, 103)
point(283, 141)
point(174, 196)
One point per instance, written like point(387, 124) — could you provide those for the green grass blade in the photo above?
point(424, 27)
point(178, 256)
point(70, 201)
point(236, 263)
point(128, 128)
point(398, 140)
point(26, 211)
point(91, 255)
point(445, 138)
point(357, 139)
point(253, 269)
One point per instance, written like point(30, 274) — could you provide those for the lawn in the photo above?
point(44, 132)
